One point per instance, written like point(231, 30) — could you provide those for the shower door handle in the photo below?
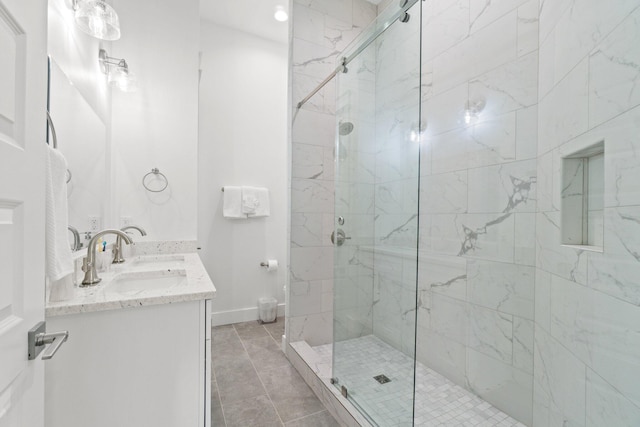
point(338, 237)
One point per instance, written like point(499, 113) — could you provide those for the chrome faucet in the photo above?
point(117, 248)
point(76, 238)
point(89, 263)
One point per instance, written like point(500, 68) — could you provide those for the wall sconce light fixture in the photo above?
point(118, 72)
point(417, 131)
point(472, 109)
point(97, 18)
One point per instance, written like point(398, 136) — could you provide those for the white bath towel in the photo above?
point(232, 202)
point(58, 251)
point(255, 201)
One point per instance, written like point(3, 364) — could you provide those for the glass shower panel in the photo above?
point(377, 156)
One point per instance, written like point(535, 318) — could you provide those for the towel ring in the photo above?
point(155, 171)
point(69, 176)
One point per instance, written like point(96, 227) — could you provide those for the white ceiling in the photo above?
point(251, 16)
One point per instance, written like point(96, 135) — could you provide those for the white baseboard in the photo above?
point(240, 315)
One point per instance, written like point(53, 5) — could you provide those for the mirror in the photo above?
point(112, 138)
point(82, 138)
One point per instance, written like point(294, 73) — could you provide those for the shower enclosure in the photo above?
point(433, 256)
point(487, 214)
point(376, 206)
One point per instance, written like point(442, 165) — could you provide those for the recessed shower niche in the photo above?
point(582, 198)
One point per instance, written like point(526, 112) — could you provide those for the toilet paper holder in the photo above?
point(270, 265)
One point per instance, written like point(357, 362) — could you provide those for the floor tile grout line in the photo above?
point(309, 415)
point(242, 342)
point(273, 338)
point(254, 369)
point(258, 375)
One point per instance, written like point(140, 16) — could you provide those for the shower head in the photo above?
point(345, 128)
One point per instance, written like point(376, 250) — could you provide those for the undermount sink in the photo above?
point(160, 261)
point(139, 282)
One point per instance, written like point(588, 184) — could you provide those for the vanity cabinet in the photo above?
point(132, 367)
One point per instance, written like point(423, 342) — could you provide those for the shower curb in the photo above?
point(317, 377)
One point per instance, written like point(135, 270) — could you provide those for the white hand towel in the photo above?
point(249, 202)
point(257, 201)
point(232, 202)
point(58, 252)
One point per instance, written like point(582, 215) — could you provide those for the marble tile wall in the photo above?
point(322, 29)
point(587, 352)
point(355, 201)
point(547, 333)
point(478, 194)
point(396, 182)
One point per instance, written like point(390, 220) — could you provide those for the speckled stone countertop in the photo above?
point(151, 260)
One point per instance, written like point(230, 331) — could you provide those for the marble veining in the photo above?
point(520, 192)
point(615, 72)
point(198, 285)
point(471, 235)
point(484, 12)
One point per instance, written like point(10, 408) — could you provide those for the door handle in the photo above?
point(38, 339)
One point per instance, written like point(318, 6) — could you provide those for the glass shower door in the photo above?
point(377, 156)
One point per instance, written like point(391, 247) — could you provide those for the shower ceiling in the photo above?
point(251, 16)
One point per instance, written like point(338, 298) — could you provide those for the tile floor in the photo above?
point(438, 401)
point(253, 383)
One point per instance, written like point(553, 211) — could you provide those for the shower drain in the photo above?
point(382, 379)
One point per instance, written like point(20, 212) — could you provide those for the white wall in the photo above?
point(243, 141)
point(156, 127)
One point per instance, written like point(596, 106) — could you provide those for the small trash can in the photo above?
point(267, 308)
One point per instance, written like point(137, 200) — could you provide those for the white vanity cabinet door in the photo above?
point(131, 367)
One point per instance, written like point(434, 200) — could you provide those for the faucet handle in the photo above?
point(117, 251)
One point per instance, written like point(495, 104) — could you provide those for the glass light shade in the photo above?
point(98, 19)
point(123, 79)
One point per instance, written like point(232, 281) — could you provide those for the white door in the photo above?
point(23, 80)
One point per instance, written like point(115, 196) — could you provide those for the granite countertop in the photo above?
point(151, 261)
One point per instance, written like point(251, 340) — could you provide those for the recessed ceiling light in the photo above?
point(281, 14)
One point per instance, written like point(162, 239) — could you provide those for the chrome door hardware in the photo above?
point(341, 237)
point(38, 338)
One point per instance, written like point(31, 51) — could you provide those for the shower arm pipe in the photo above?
point(342, 68)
